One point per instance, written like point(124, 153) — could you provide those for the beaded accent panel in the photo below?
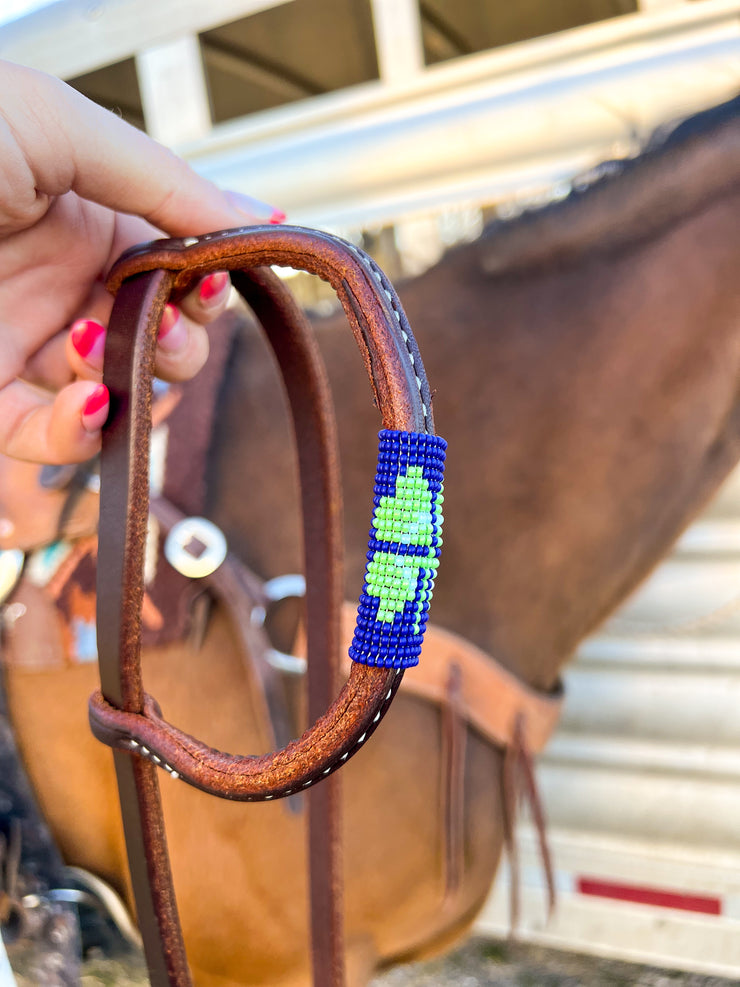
point(404, 548)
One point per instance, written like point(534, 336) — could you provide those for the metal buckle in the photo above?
point(11, 566)
point(292, 585)
point(195, 547)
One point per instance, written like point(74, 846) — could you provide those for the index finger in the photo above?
point(70, 144)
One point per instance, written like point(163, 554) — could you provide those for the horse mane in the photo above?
point(682, 168)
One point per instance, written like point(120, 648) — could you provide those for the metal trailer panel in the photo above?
point(641, 781)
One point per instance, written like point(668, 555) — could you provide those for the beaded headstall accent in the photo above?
point(403, 552)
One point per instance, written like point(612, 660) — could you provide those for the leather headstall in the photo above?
point(122, 715)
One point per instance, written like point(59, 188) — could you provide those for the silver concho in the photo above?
point(195, 547)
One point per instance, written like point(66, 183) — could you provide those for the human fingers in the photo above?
point(54, 429)
point(182, 343)
point(182, 347)
point(48, 367)
point(208, 299)
point(59, 141)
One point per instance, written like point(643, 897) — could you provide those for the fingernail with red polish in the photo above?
point(172, 332)
point(95, 409)
point(277, 217)
point(169, 318)
point(88, 339)
point(213, 286)
point(255, 209)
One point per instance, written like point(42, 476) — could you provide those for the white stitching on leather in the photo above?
point(392, 298)
point(150, 755)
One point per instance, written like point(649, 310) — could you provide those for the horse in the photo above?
point(585, 358)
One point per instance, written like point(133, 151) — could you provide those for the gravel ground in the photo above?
point(480, 963)
point(488, 963)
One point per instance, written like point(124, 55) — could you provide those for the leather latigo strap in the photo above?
point(121, 713)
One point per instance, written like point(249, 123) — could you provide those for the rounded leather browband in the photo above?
point(145, 278)
point(370, 303)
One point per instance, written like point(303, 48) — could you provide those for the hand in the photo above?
point(77, 187)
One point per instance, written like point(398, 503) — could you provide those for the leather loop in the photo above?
point(370, 303)
point(121, 714)
point(232, 776)
point(147, 278)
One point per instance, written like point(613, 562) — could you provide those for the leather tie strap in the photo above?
point(121, 714)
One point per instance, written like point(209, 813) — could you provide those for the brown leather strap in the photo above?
point(121, 714)
point(322, 468)
point(192, 421)
point(493, 698)
point(518, 780)
point(180, 475)
point(454, 738)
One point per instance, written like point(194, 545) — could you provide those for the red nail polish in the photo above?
point(97, 400)
point(277, 217)
point(169, 318)
point(84, 334)
point(212, 285)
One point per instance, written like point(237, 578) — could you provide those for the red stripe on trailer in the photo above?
point(706, 904)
